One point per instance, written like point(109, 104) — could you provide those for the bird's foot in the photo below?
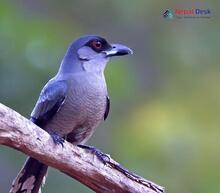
point(104, 158)
point(57, 139)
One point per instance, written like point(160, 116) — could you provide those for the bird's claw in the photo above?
point(57, 139)
point(104, 158)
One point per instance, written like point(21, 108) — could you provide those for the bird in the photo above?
point(72, 104)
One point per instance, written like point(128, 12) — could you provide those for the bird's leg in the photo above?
point(104, 158)
point(57, 139)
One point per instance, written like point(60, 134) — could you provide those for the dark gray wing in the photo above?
point(107, 108)
point(50, 100)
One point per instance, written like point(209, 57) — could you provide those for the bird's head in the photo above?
point(91, 53)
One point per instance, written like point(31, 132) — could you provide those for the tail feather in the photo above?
point(30, 178)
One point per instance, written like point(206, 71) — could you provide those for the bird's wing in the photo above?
point(107, 108)
point(50, 100)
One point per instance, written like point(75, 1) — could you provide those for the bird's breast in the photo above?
point(87, 101)
point(83, 109)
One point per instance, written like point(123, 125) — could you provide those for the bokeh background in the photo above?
point(165, 99)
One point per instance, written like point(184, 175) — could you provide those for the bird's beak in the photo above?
point(118, 50)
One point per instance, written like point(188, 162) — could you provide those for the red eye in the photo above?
point(96, 44)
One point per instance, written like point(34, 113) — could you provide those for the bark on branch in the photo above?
point(21, 134)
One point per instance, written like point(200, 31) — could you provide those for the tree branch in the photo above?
point(21, 134)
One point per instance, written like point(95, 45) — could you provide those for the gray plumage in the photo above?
point(82, 107)
point(73, 103)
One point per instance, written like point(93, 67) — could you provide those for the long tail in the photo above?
point(30, 178)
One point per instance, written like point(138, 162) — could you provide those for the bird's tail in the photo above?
point(30, 178)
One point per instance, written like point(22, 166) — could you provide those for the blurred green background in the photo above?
point(165, 99)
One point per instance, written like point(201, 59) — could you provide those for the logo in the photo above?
point(179, 13)
point(168, 14)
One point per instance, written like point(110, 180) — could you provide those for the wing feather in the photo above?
point(49, 102)
point(107, 108)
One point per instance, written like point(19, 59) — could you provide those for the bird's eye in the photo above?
point(96, 44)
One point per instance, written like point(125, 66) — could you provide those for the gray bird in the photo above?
point(72, 104)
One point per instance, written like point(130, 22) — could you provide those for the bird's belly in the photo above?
point(82, 111)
